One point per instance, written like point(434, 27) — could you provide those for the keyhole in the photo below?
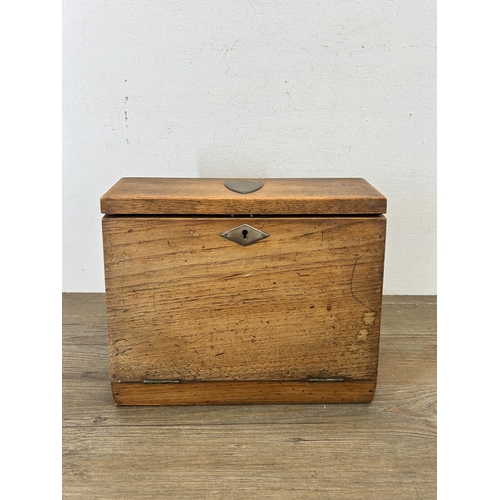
point(244, 233)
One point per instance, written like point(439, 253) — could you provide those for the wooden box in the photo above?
point(237, 292)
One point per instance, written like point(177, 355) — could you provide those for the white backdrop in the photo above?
point(212, 88)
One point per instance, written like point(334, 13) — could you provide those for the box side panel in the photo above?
point(185, 304)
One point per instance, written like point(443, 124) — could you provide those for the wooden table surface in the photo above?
point(380, 450)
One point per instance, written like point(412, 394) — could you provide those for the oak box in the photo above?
point(223, 292)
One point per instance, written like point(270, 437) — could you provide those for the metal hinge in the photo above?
point(161, 381)
point(335, 379)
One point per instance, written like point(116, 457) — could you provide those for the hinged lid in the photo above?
point(175, 196)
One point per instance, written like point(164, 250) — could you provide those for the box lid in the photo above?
point(182, 196)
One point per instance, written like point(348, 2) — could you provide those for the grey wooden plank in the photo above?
point(410, 299)
point(91, 404)
point(246, 462)
point(85, 334)
point(408, 318)
point(84, 308)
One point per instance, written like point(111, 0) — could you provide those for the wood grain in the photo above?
point(377, 451)
point(253, 462)
point(135, 195)
point(210, 393)
point(185, 304)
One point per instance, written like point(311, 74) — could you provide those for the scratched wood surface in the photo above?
point(136, 195)
point(186, 304)
point(210, 393)
point(380, 450)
